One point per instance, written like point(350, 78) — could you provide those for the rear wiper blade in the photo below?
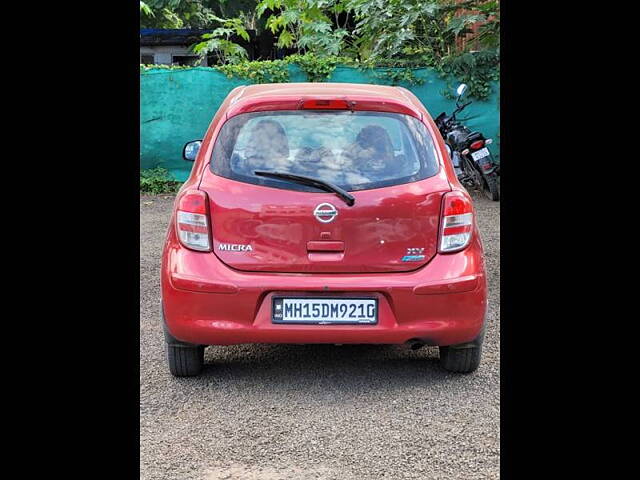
point(314, 182)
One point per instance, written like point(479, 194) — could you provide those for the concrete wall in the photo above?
point(163, 54)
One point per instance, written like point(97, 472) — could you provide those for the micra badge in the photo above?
point(233, 247)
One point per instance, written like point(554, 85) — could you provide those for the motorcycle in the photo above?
point(471, 158)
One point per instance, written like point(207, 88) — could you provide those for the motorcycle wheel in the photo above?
point(490, 188)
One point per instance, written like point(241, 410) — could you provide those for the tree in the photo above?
point(195, 13)
point(176, 14)
point(422, 30)
point(489, 32)
point(373, 32)
point(144, 9)
point(219, 42)
point(306, 24)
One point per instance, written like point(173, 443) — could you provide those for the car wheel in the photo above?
point(185, 360)
point(461, 358)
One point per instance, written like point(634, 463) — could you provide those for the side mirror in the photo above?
point(461, 89)
point(191, 149)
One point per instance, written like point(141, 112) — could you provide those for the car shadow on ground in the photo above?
point(326, 367)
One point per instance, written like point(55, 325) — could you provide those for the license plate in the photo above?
point(483, 152)
point(325, 311)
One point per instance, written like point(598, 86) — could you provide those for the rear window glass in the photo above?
point(354, 150)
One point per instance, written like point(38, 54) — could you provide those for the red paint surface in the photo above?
point(278, 223)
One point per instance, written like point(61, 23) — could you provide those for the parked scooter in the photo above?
point(471, 158)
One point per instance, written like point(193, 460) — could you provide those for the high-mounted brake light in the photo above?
point(192, 221)
point(326, 105)
point(457, 222)
point(477, 144)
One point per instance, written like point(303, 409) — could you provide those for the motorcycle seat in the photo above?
point(473, 136)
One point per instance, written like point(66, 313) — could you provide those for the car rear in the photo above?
point(264, 248)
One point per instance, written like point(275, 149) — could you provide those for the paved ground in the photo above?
point(315, 412)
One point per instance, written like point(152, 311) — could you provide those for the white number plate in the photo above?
point(325, 310)
point(483, 152)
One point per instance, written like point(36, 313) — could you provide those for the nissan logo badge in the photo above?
point(325, 213)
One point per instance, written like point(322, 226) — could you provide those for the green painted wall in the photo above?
point(176, 106)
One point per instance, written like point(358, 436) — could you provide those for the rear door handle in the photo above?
point(325, 246)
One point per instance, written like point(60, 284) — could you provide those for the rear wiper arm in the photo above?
point(314, 182)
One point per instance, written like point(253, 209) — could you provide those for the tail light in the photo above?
point(457, 222)
point(192, 221)
point(477, 144)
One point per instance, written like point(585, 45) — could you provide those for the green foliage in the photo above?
point(386, 29)
point(397, 35)
point(175, 14)
point(489, 33)
point(161, 66)
point(144, 8)
point(460, 24)
point(317, 68)
point(305, 24)
point(157, 180)
point(404, 34)
point(399, 76)
point(219, 41)
point(476, 69)
point(266, 71)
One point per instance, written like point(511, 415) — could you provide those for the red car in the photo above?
point(322, 213)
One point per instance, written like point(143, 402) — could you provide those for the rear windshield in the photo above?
point(354, 150)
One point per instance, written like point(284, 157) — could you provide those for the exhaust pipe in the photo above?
point(415, 344)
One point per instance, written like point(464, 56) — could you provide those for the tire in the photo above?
point(490, 188)
point(185, 360)
point(463, 359)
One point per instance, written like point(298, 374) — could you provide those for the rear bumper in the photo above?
point(206, 302)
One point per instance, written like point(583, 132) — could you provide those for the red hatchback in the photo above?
point(322, 213)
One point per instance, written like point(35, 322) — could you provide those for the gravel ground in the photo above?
point(315, 412)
